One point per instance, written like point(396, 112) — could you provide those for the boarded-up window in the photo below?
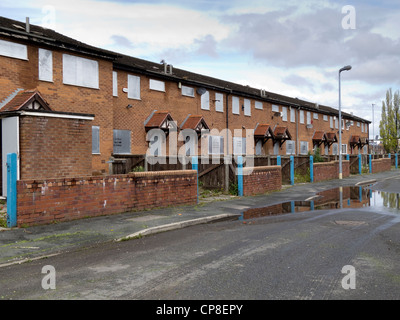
point(133, 87)
point(235, 105)
point(187, 91)
point(303, 147)
point(292, 115)
point(284, 114)
point(258, 105)
point(290, 147)
point(239, 145)
point(219, 102)
point(95, 139)
point(215, 145)
point(157, 85)
point(247, 107)
point(45, 65)
point(115, 84)
point(122, 142)
point(205, 101)
point(81, 72)
point(13, 50)
point(302, 116)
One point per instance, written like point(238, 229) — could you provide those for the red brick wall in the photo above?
point(261, 180)
point(330, 170)
point(55, 147)
point(379, 165)
point(16, 73)
point(46, 201)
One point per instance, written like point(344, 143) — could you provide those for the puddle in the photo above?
point(349, 197)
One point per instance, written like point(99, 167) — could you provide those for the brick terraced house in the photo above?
point(67, 107)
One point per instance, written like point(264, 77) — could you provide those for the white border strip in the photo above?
point(55, 115)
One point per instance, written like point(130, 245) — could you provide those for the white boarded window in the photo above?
point(13, 50)
point(115, 84)
point(235, 105)
point(258, 105)
point(81, 72)
point(325, 117)
point(358, 124)
point(133, 87)
point(331, 122)
point(292, 115)
point(315, 115)
point(284, 114)
point(187, 91)
point(290, 147)
point(302, 116)
point(215, 145)
point(335, 149)
point(344, 148)
point(308, 117)
point(303, 147)
point(45, 65)
point(239, 145)
point(157, 85)
point(247, 107)
point(336, 123)
point(205, 101)
point(219, 102)
point(122, 141)
point(275, 108)
point(95, 140)
point(362, 127)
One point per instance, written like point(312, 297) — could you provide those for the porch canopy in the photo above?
point(319, 138)
point(194, 122)
point(160, 120)
point(263, 132)
point(281, 134)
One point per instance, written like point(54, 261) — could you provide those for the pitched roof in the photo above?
point(282, 133)
point(39, 35)
point(24, 99)
point(263, 130)
point(319, 136)
point(159, 120)
point(195, 122)
point(331, 137)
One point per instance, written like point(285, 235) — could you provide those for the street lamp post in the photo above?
point(346, 68)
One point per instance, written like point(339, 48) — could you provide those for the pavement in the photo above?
point(19, 245)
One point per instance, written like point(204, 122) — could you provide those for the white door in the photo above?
point(9, 144)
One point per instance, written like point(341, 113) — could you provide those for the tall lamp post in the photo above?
point(346, 68)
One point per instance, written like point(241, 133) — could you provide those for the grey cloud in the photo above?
point(122, 41)
point(289, 39)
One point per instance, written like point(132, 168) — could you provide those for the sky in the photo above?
point(293, 48)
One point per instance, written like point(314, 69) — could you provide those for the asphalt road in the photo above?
point(290, 256)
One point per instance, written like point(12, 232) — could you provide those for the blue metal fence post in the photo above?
point(311, 169)
point(370, 163)
point(278, 160)
point(291, 170)
point(347, 157)
point(395, 160)
point(240, 175)
point(11, 190)
point(359, 164)
point(195, 166)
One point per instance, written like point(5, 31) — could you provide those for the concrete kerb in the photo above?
point(178, 225)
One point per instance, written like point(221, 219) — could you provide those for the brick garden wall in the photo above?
point(379, 165)
point(261, 180)
point(330, 170)
point(47, 201)
point(55, 147)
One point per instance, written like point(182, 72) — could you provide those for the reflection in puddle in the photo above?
point(344, 197)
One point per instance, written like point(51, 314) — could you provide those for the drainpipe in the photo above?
point(297, 131)
point(226, 187)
